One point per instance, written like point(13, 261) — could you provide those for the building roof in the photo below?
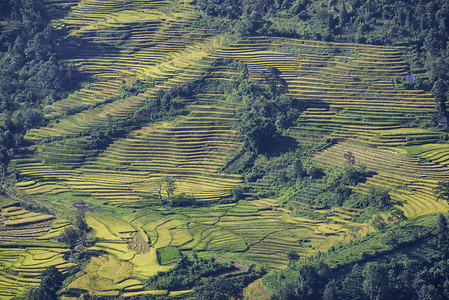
point(96, 133)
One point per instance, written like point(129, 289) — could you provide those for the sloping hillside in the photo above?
point(134, 50)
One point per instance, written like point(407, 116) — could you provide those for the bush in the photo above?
point(186, 274)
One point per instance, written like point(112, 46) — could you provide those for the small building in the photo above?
point(442, 122)
point(410, 78)
point(96, 134)
point(17, 150)
point(57, 238)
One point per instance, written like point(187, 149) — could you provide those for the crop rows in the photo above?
point(22, 265)
point(243, 227)
point(436, 153)
point(352, 94)
point(17, 224)
point(154, 44)
point(105, 275)
point(88, 120)
point(409, 181)
point(93, 95)
point(191, 152)
point(24, 248)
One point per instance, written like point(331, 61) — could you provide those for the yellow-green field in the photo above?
point(259, 231)
point(409, 181)
point(24, 248)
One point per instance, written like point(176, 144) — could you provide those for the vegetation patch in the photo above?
point(168, 255)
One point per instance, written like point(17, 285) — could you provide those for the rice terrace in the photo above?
point(238, 149)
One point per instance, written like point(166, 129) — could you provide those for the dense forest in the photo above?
point(31, 75)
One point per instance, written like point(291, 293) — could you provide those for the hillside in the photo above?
point(156, 141)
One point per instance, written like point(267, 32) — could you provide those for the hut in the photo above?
point(96, 134)
point(442, 122)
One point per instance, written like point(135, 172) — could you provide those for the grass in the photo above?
point(168, 255)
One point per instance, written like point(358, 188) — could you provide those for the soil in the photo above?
point(138, 244)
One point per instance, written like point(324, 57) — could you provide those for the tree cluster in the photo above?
point(187, 273)
point(30, 73)
point(398, 276)
point(29, 70)
point(72, 235)
point(266, 111)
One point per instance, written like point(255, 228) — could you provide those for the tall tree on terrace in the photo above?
point(50, 283)
point(441, 191)
point(439, 91)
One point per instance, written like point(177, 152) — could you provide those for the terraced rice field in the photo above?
point(21, 266)
point(24, 248)
point(351, 98)
point(161, 47)
point(18, 224)
point(409, 182)
point(349, 87)
point(192, 152)
point(259, 230)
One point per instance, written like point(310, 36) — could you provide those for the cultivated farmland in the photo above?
point(24, 247)
point(351, 100)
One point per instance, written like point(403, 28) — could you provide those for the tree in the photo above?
point(428, 292)
point(80, 223)
point(308, 283)
point(81, 226)
point(168, 184)
point(343, 16)
point(379, 198)
point(50, 283)
point(293, 256)
point(441, 191)
point(7, 139)
point(80, 219)
point(379, 223)
point(351, 283)
point(439, 91)
point(330, 291)
point(265, 113)
point(4, 159)
point(397, 215)
point(238, 193)
point(442, 233)
point(70, 236)
point(375, 284)
point(276, 83)
point(220, 288)
point(350, 158)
